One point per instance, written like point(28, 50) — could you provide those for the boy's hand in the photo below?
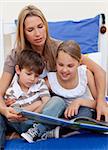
point(9, 102)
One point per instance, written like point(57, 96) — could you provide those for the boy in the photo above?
point(31, 93)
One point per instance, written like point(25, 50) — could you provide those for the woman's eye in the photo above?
point(41, 26)
point(30, 30)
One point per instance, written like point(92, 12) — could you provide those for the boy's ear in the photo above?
point(17, 69)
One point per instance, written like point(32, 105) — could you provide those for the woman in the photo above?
point(32, 32)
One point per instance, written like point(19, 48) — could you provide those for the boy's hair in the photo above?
point(70, 47)
point(31, 60)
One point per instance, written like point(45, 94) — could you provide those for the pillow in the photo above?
point(85, 32)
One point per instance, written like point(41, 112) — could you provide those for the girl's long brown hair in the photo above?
point(70, 47)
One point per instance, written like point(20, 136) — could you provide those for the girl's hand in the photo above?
point(9, 102)
point(72, 109)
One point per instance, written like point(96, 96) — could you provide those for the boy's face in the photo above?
point(26, 77)
point(66, 66)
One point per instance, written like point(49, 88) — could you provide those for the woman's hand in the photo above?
point(12, 115)
point(72, 109)
point(9, 102)
point(102, 110)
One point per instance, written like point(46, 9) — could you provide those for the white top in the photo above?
point(80, 91)
point(35, 92)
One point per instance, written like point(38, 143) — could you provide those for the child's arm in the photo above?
point(44, 94)
point(44, 99)
point(38, 105)
point(34, 106)
point(73, 108)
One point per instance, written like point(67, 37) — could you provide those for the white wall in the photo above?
point(56, 10)
point(53, 11)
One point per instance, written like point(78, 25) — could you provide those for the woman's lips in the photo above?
point(38, 40)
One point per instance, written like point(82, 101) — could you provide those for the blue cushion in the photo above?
point(85, 32)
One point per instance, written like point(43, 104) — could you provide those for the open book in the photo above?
point(84, 123)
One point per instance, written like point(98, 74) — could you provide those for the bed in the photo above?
point(86, 33)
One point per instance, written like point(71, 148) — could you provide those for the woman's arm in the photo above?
point(100, 80)
point(5, 80)
point(98, 73)
point(4, 83)
point(8, 72)
point(91, 84)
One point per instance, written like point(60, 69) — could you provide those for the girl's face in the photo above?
point(35, 31)
point(66, 66)
point(26, 78)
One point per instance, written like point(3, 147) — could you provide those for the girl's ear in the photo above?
point(17, 69)
point(79, 62)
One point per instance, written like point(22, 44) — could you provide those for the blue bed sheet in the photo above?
point(75, 142)
point(85, 32)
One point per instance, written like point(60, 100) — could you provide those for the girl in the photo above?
point(72, 81)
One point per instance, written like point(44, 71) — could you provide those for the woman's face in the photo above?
point(35, 31)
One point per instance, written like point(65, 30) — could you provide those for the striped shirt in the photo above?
point(35, 92)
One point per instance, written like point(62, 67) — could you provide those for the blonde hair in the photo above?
point(70, 47)
point(22, 43)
